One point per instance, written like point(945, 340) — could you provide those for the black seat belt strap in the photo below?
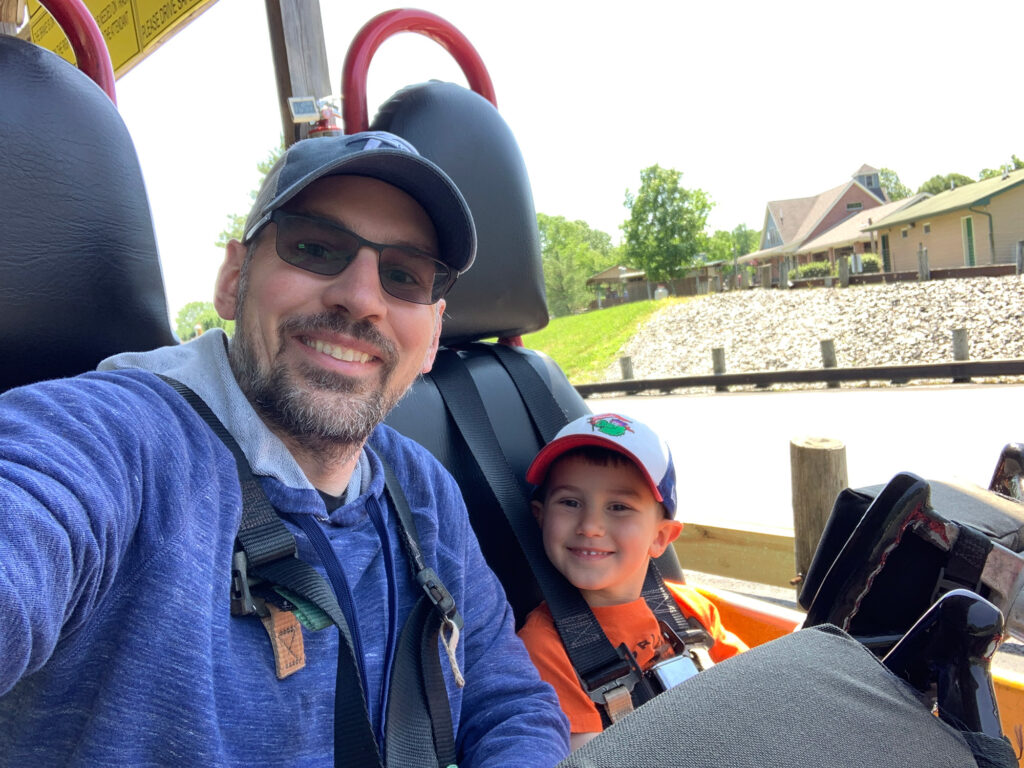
point(403, 749)
point(545, 412)
point(354, 742)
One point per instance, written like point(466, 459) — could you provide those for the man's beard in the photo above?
point(322, 411)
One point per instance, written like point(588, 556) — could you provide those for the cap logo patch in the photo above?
point(610, 424)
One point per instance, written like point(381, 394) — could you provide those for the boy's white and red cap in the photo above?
point(633, 439)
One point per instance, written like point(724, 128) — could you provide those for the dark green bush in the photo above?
point(814, 269)
point(871, 262)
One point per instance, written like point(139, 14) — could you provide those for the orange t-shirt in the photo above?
point(631, 623)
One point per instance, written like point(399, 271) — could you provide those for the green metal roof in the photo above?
point(978, 193)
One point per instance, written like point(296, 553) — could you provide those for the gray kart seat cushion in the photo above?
point(813, 698)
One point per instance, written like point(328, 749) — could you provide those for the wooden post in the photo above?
point(718, 366)
point(818, 471)
point(766, 276)
point(626, 364)
point(300, 57)
point(11, 14)
point(961, 351)
point(844, 271)
point(828, 358)
point(923, 273)
point(1019, 257)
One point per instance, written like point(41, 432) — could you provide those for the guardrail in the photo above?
point(960, 371)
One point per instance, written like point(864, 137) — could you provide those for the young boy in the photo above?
point(606, 503)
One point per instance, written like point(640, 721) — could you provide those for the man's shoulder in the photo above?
point(399, 450)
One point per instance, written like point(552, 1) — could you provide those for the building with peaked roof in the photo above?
point(972, 225)
point(789, 224)
point(850, 237)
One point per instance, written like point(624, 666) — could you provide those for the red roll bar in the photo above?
point(380, 28)
point(86, 41)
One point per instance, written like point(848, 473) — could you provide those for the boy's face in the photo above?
point(601, 524)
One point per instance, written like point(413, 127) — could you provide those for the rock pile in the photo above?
point(762, 330)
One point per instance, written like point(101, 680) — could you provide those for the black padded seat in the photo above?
point(79, 274)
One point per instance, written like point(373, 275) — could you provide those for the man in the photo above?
point(119, 506)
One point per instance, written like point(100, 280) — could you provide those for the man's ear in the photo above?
point(428, 358)
point(668, 531)
point(225, 293)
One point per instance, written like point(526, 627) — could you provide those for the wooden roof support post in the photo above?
point(300, 57)
point(12, 12)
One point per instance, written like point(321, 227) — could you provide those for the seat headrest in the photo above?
point(79, 274)
point(503, 294)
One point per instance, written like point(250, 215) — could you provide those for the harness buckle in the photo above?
point(439, 595)
point(612, 688)
point(241, 598)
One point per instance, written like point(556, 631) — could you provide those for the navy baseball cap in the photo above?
point(378, 155)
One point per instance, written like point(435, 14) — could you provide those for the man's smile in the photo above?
point(338, 352)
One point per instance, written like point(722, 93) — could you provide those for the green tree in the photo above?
point(236, 221)
point(892, 186)
point(202, 314)
point(1015, 164)
point(720, 246)
point(745, 239)
point(572, 252)
point(665, 230)
point(937, 183)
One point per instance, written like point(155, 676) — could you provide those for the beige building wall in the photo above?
point(945, 240)
point(1007, 211)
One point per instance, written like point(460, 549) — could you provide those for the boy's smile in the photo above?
point(601, 524)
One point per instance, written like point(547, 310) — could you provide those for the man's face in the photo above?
point(324, 358)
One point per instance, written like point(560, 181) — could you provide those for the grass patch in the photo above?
point(585, 345)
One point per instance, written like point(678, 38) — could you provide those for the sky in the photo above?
point(751, 101)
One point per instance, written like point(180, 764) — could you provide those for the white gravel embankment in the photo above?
point(892, 324)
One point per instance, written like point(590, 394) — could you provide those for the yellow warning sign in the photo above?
point(132, 28)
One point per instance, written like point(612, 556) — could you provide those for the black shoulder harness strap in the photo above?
point(607, 673)
point(419, 717)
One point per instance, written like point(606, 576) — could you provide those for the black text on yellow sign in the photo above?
point(132, 28)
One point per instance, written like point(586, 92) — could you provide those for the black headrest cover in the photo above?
point(503, 293)
point(79, 273)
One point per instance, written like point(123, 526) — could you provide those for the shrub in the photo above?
point(871, 262)
point(814, 269)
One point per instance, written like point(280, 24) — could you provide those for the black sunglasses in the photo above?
point(323, 247)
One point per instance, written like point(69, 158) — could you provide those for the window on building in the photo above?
point(927, 228)
point(904, 233)
point(854, 206)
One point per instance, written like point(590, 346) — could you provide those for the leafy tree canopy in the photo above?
point(745, 240)
point(665, 230)
point(1015, 164)
point(937, 184)
point(892, 186)
point(572, 252)
point(198, 316)
point(236, 221)
point(720, 246)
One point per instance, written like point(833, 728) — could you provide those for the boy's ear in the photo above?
point(668, 531)
point(538, 511)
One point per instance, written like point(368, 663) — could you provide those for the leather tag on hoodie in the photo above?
point(285, 633)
